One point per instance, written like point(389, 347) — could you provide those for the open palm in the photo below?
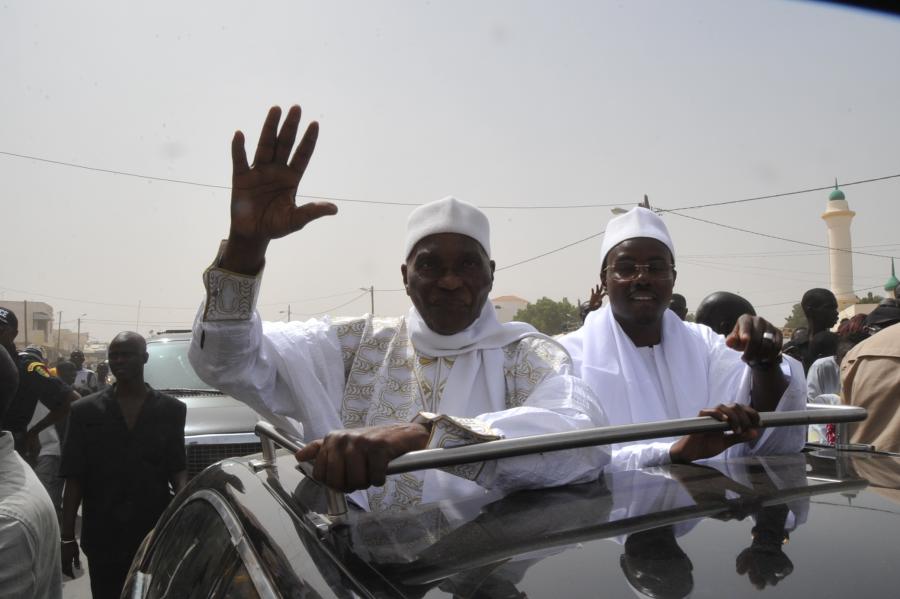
point(262, 197)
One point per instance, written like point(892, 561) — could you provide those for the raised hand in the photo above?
point(759, 340)
point(262, 196)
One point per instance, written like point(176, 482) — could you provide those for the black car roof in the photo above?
point(657, 531)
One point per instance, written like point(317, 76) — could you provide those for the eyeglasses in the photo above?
point(629, 271)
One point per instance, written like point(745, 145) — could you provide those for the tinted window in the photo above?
point(194, 556)
point(168, 367)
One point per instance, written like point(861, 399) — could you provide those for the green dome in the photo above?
point(835, 195)
point(892, 282)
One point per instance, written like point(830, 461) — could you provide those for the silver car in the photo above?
point(218, 426)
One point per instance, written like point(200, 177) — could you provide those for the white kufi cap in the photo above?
point(448, 215)
point(637, 222)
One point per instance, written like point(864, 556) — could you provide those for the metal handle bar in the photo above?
point(607, 435)
point(504, 448)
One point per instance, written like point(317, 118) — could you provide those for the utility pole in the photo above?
point(58, 333)
point(78, 338)
point(25, 320)
point(289, 313)
point(137, 323)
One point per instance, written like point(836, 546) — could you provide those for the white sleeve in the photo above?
point(784, 439)
point(286, 372)
point(17, 558)
point(641, 455)
point(558, 403)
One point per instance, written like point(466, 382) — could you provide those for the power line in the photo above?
point(770, 236)
point(366, 292)
point(411, 204)
point(792, 302)
point(559, 249)
point(786, 193)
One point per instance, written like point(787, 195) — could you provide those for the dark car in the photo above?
point(821, 523)
point(217, 425)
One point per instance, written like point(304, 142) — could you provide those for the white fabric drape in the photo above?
point(694, 370)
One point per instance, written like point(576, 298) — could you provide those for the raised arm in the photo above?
point(262, 194)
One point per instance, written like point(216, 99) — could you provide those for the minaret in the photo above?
point(837, 217)
point(892, 282)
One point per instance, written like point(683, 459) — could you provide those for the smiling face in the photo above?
point(448, 277)
point(639, 304)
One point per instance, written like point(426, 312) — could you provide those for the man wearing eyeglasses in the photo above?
point(645, 364)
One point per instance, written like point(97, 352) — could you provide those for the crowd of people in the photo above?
point(362, 391)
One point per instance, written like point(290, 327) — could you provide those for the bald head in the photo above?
point(721, 310)
point(821, 309)
point(127, 356)
point(130, 337)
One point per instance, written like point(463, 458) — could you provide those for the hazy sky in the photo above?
point(540, 104)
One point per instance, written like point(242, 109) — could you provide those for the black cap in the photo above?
point(36, 351)
point(8, 317)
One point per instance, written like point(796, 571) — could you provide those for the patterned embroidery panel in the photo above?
point(388, 383)
point(229, 296)
point(451, 431)
point(527, 364)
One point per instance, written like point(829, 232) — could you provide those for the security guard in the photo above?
point(35, 384)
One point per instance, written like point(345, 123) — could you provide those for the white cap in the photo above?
point(637, 222)
point(448, 215)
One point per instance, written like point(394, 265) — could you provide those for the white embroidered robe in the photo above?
point(690, 369)
point(346, 373)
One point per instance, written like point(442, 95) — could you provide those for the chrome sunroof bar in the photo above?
point(607, 435)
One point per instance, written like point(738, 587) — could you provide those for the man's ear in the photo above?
point(405, 281)
point(146, 357)
point(493, 266)
point(674, 276)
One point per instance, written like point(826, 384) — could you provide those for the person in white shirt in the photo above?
point(29, 530)
point(366, 390)
point(47, 466)
point(645, 364)
point(85, 378)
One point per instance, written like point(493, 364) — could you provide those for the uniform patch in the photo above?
point(38, 368)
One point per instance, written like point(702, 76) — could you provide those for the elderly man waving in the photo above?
point(367, 390)
point(645, 364)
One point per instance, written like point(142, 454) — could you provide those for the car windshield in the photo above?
point(169, 368)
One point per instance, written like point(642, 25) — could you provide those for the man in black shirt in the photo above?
point(123, 450)
point(35, 384)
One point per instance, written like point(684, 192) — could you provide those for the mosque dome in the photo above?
point(892, 282)
point(836, 195)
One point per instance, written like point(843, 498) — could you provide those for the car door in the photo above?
point(201, 552)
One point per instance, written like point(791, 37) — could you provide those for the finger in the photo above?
point(733, 340)
point(335, 472)
point(752, 415)
point(303, 215)
point(265, 149)
point(742, 416)
point(357, 471)
point(309, 452)
point(377, 468)
point(287, 135)
point(737, 418)
point(239, 164)
point(304, 151)
point(744, 437)
point(320, 465)
point(754, 352)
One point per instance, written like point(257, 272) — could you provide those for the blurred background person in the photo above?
point(720, 311)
